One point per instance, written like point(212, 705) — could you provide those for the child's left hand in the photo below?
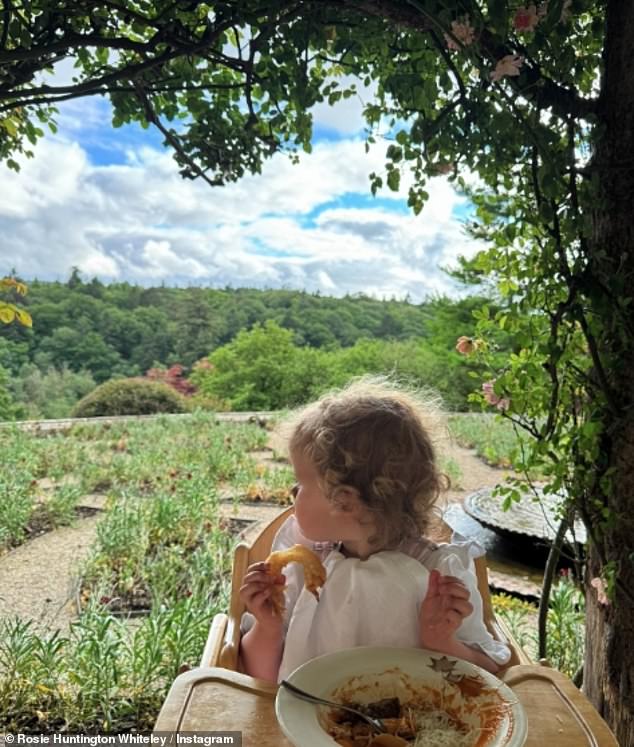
point(444, 607)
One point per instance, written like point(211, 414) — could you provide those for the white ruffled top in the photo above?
point(373, 602)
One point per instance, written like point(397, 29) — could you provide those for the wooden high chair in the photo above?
point(223, 642)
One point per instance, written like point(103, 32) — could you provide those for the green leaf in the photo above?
point(553, 15)
point(402, 137)
point(498, 15)
point(9, 125)
point(394, 153)
point(393, 179)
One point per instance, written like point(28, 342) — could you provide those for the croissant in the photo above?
point(314, 572)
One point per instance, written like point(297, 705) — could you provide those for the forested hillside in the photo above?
point(85, 333)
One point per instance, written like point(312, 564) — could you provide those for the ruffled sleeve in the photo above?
point(456, 559)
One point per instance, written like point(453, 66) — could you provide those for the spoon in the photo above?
point(375, 723)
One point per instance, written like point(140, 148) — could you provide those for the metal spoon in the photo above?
point(375, 723)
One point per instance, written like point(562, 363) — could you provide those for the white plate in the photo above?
point(385, 672)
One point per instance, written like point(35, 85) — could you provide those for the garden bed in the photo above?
point(160, 552)
point(138, 600)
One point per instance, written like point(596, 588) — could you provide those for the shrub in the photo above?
point(130, 397)
point(172, 376)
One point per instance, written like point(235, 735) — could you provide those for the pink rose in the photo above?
point(509, 65)
point(526, 19)
point(502, 403)
point(463, 31)
point(465, 345)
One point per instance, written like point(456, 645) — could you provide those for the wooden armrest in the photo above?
point(215, 639)
point(231, 645)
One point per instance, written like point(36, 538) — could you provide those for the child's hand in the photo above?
point(255, 592)
point(444, 607)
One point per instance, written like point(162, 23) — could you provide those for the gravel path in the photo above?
point(36, 578)
point(476, 474)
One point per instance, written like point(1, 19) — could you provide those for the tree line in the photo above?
point(87, 332)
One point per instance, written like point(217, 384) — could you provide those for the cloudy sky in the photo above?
point(112, 203)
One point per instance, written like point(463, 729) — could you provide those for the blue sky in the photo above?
point(111, 202)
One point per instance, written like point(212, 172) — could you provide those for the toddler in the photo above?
point(367, 482)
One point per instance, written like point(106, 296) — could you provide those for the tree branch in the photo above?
point(129, 11)
point(6, 21)
point(97, 85)
point(73, 39)
point(450, 64)
point(172, 139)
point(122, 89)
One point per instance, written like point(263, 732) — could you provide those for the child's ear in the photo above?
point(347, 500)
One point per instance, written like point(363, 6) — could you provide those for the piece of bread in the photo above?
point(314, 572)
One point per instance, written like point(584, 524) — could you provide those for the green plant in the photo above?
point(565, 624)
point(521, 618)
point(104, 676)
point(565, 642)
point(50, 393)
point(451, 468)
point(9, 410)
point(161, 547)
point(495, 440)
point(261, 369)
point(17, 488)
point(60, 507)
point(130, 397)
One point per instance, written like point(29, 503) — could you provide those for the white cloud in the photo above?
point(160, 261)
point(94, 263)
point(311, 225)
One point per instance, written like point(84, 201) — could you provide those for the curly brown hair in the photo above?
point(374, 435)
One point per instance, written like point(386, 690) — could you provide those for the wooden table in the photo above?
point(214, 699)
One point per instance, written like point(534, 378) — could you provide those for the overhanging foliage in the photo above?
point(536, 100)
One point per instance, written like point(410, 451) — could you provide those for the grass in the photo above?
point(494, 440)
point(152, 552)
point(17, 486)
point(451, 468)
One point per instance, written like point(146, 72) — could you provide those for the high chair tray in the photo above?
point(215, 699)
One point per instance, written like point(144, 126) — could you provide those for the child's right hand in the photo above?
point(255, 592)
